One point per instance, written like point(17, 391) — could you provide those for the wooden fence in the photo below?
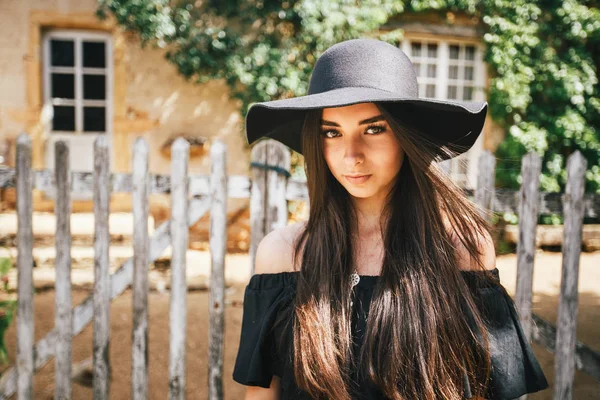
point(269, 189)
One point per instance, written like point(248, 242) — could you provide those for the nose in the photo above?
point(353, 151)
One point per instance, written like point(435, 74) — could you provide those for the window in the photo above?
point(451, 70)
point(77, 78)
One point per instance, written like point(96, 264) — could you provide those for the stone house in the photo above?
point(66, 75)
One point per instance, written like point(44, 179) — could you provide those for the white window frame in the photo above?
point(463, 168)
point(78, 70)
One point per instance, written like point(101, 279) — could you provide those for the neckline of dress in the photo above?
point(285, 278)
point(377, 276)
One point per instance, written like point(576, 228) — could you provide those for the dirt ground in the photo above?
point(546, 289)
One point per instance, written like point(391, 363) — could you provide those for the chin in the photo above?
point(361, 193)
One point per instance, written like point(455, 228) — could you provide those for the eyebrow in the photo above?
point(364, 121)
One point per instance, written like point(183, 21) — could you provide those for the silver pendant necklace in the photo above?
point(354, 279)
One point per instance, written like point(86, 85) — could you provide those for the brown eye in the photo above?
point(378, 129)
point(325, 133)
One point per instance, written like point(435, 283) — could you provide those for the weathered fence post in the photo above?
point(179, 243)
point(446, 166)
point(101, 356)
point(63, 301)
point(84, 313)
point(24, 269)
point(566, 333)
point(218, 248)
point(268, 202)
point(484, 193)
point(528, 214)
point(139, 336)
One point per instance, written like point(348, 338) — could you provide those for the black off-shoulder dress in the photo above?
point(515, 369)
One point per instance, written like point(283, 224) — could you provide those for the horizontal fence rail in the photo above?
point(239, 187)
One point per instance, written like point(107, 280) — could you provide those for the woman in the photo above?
point(390, 289)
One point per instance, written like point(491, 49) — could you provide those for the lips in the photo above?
point(357, 178)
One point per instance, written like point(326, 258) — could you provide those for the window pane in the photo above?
point(454, 52)
point(431, 70)
point(468, 73)
point(62, 53)
point(432, 50)
point(416, 49)
point(94, 119)
point(452, 92)
point(62, 85)
point(470, 52)
point(430, 92)
point(468, 93)
point(417, 67)
point(453, 72)
point(64, 118)
point(94, 87)
point(94, 54)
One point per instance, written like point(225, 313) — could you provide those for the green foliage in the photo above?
point(546, 94)
point(543, 55)
point(7, 307)
point(263, 49)
point(7, 310)
point(5, 267)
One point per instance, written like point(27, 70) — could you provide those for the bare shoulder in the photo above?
point(485, 244)
point(275, 250)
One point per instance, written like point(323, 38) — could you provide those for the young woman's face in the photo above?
point(357, 140)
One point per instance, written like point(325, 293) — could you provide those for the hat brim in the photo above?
point(454, 124)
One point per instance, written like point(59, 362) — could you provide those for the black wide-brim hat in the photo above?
point(369, 70)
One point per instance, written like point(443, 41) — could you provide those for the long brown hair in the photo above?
point(418, 342)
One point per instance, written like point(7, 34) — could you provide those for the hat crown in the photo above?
point(368, 63)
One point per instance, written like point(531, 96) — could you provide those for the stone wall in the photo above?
point(150, 99)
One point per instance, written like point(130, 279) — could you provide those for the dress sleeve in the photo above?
point(257, 359)
point(515, 369)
